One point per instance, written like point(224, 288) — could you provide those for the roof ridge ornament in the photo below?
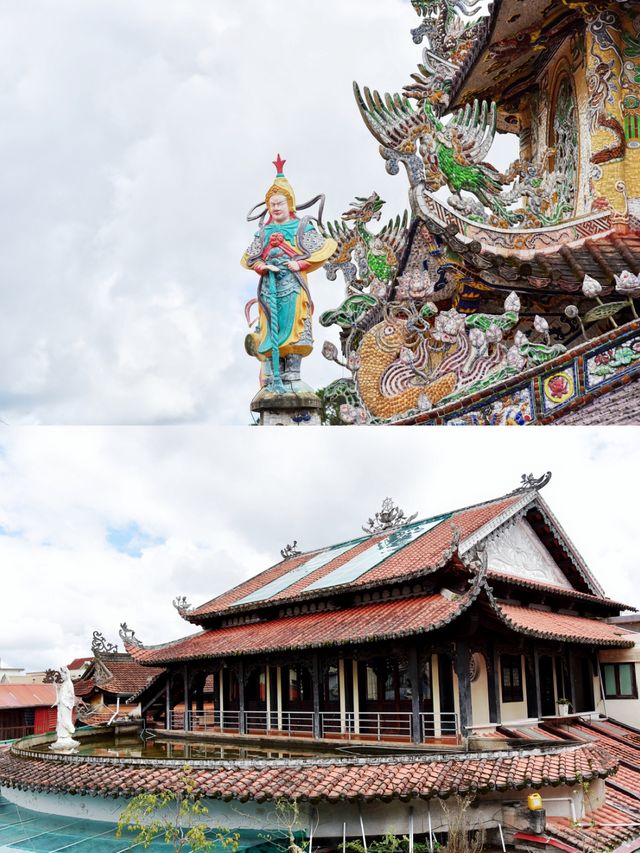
point(390, 517)
point(529, 482)
point(99, 645)
point(128, 635)
point(290, 551)
point(181, 604)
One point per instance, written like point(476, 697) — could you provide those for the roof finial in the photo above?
point(389, 517)
point(290, 551)
point(528, 482)
point(99, 645)
point(181, 604)
point(128, 635)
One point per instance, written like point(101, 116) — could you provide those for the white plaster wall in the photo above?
point(480, 695)
point(515, 710)
point(328, 820)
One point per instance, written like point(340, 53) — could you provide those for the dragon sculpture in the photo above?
point(377, 256)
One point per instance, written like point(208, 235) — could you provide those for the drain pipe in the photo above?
point(430, 832)
point(117, 711)
point(504, 847)
point(364, 837)
point(411, 829)
point(344, 838)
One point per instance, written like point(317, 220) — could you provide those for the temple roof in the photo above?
point(400, 555)
point(317, 780)
point(118, 674)
point(381, 621)
point(512, 43)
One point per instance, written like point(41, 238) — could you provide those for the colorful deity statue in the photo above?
point(285, 250)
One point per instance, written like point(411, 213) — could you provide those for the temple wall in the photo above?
point(329, 819)
point(625, 710)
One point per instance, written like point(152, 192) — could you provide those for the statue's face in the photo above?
point(279, 208)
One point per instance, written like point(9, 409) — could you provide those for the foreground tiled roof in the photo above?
point(423, 554)
point(557, 626)
point(355, 624)
point(316, 780)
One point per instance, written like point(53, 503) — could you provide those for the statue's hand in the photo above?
point(294, 266)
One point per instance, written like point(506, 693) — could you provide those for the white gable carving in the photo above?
point(518, 551)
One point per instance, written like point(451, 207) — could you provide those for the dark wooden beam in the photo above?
point(414, 677)
point(241, 721)
point(464, 685)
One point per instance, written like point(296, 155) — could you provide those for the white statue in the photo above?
point(65, 701)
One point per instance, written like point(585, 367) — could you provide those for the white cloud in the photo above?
point(220, 503)
point(135, 138)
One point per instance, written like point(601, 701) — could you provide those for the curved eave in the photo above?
point(328, 780)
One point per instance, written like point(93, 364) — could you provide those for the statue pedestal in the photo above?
point(298, 406)
point(65, 745)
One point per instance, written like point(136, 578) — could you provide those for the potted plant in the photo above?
point(563, 707)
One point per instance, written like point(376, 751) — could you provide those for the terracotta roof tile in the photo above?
point(425, 553)
point(355, 624)
point(314, 780)
point(550, 625)
point(527, 583)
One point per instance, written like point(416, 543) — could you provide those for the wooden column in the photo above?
point(241, 720)
point(435, 692)
point(168, 700)
point(536, 675)
point(464, 685)
point(315, 681)
point(356, 697)
point(571, 659)
point(279, 696)
point(267, 688)
point(187, 698)
point(493, 684)
point(414, 677)
point(343, 696)
point(221, 697)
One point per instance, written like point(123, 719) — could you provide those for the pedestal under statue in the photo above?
point(65, 703)
point(284, 251)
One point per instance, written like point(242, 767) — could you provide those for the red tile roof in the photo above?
point(528, 583)
point(123, 677)
point(557, 626)
point(78, 663)
point(355, 624)
point(27, 695)
point(426, 553)
point(314, 780)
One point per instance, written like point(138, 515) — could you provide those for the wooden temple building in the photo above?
point(433, 632)
point(507, 295)
point(467, 658)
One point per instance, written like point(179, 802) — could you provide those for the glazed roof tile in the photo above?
point(423, 554)
point(388, 619)
point(315, 780)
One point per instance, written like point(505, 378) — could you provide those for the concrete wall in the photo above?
point(480, 694)
point(625, 710)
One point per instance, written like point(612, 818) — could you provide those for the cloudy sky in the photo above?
point(135, 137)
point(102, 525)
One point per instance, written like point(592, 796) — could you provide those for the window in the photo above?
point(372, 684)
point(511, 667)
point(619, 681)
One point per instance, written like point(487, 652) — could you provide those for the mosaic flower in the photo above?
point(348, 413)
point(512, 302)
point(354, 361)
point(329, 351)
point(476, 336)
point(540, 324)
point(515, 359)
point(559, 385)
point(591, 287)
point(520, 339)
point(571, 311)
point(628, 284)
point(494, 334)
point(448, 325)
